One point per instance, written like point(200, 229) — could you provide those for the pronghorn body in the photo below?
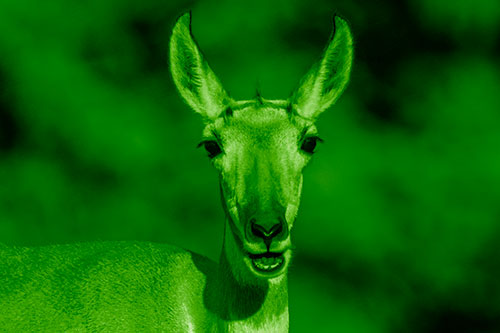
point(259, 147)
point(124, 287)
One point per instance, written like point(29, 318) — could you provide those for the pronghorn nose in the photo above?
point(267, 231)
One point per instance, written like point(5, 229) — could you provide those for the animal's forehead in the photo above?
point(256, 120)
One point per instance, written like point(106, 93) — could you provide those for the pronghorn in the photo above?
point(259, 148)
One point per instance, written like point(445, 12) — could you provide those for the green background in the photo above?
point(398, 229)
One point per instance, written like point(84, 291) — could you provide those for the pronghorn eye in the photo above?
point(309, 144)
point(212, 147)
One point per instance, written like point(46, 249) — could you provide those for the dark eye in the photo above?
point(212, 147)
point(309, 144)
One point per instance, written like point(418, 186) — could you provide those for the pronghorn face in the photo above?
point(259, 147)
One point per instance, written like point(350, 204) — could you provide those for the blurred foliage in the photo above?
point(399, 225)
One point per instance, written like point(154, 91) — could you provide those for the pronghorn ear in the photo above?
point(193, 77)
point(326, 80)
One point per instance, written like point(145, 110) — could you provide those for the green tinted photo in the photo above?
point(201, 166)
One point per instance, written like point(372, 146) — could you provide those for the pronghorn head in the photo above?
point(259, 147)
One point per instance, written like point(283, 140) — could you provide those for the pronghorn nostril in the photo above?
point(262, 232)
point(258, 231)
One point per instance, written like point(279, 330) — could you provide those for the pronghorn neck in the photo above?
point(249, 304)
point(252, 305)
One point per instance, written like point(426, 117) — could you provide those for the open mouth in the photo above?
point(268, 262)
